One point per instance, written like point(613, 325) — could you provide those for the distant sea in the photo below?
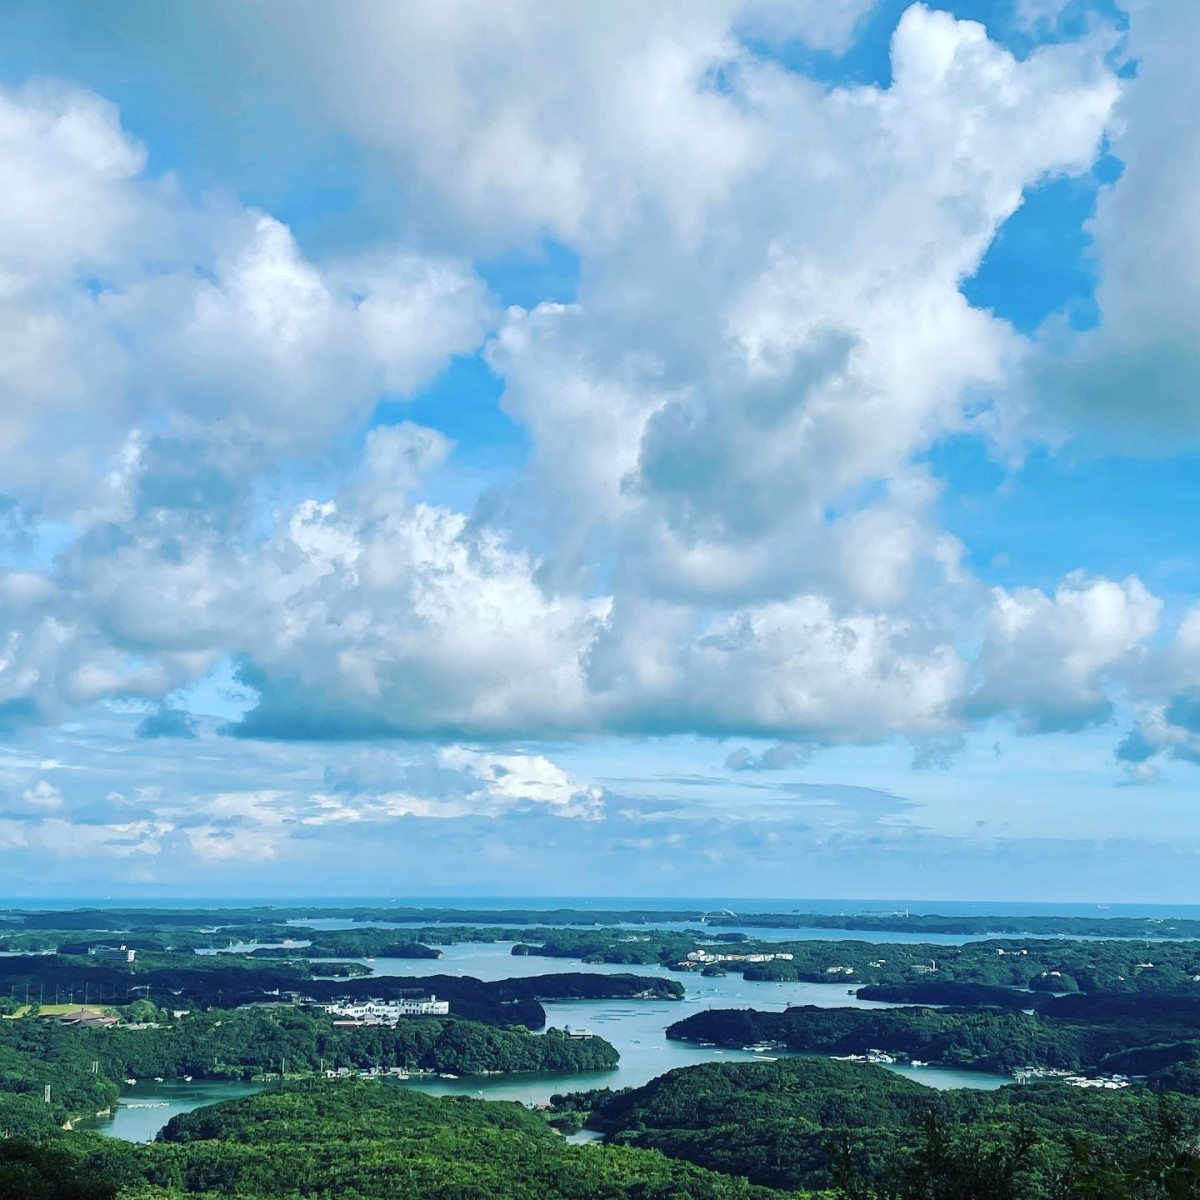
point(738, 904)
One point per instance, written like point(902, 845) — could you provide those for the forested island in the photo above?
point(957, 995)
point(261, 917)
point(1158, 1038)
point(981, 925)
point(1115, 966)
point(168, 941)
point(362, 1141)
point(866, 1133)
point(83, 1066)
point(226, 981)
point(763, 1131)
point(342, 945)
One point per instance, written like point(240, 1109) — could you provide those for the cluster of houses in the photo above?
point(1111, 1082)
point(703, 958)
point(376, 1073)
point(880, 1057)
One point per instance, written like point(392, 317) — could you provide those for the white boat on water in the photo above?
point(130, 1082)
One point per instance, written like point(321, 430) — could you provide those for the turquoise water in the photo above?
point(146, 1107)
point(144, 1110)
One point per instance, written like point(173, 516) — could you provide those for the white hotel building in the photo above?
point(386, 1012)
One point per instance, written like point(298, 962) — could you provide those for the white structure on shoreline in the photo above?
point(709, 956)
point(386, 1012)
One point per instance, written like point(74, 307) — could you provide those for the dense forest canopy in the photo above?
point(758, 1131)
point(797, 1124)
point(360, 1141)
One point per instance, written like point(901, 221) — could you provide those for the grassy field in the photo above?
point(57, 1010)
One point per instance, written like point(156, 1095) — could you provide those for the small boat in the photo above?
point(130, 1082)
point(158, 1079)
point(447, 1075)
point(187, 1079)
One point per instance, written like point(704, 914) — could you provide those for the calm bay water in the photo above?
point(495, 960)
point(882, 937)
point(635, 1027)
point(147, 1106)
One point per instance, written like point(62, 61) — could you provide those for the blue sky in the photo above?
point(738, 448)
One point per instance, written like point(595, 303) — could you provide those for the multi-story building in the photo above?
point(113, 953)
point(387, 1012)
